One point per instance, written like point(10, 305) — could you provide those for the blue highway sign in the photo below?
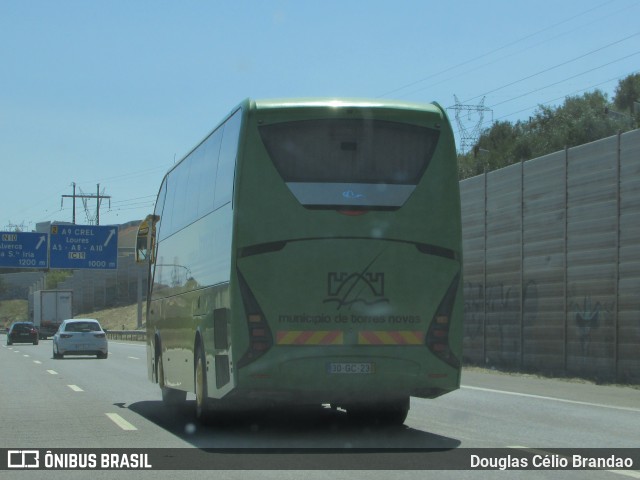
point(23, 250)
point(83, 246)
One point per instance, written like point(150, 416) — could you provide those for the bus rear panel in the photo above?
point(348, 257)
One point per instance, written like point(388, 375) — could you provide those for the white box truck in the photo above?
point(50, 308)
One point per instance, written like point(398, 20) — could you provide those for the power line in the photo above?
point(566, 79)
point(116, 202)
point(555, 66)
point(518, 52)
point(521, 39)
point(40, 204)
point(129, 175)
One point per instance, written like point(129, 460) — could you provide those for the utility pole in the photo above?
point(73, 218)
point(98, 196)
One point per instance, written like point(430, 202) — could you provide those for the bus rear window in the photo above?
point(348, 151)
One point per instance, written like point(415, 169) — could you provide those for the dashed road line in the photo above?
point(37, 362)
point(134, 358)
point(52, 372)
point(121, 422)
point(75, 388)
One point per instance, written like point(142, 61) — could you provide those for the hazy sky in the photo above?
point(112, 92)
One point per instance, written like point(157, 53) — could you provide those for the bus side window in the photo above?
point(167, 208)
point(159, 210)
point(227, 160)
point(206, 173)
point(181, 203)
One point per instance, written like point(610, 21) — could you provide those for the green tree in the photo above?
point(579, 120)
point(627, 93)
point(54, 277)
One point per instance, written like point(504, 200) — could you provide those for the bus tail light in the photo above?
point(260, 346)
point(260, 337)
point(258, 332)
point(437, 338)
point(352, 213)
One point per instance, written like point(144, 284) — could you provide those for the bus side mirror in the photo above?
point(146, 239)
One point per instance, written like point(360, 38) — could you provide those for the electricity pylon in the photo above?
point(469, 132)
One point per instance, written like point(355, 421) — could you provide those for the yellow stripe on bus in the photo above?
point(391, 337)
point(310, 337)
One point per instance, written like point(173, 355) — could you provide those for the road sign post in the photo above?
point(83, 246)
point(23, 250)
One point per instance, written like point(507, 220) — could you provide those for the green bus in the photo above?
point(309, 251)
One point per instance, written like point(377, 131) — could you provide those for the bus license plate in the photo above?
point(351, 368)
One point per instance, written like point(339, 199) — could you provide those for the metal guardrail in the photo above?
point(139, 335)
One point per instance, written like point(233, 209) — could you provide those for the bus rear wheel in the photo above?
point(203, 412)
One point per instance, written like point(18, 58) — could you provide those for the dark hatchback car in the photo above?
point(22, 332)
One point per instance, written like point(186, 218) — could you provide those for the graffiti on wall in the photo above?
point(502, 302)
point(473, 310)
point(589, 317)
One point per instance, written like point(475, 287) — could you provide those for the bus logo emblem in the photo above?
point(351, 194)
point(347, 289)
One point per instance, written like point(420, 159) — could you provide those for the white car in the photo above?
point(80, 336)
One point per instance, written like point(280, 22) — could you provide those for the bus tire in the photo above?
point(203, 412)
point(170, 396)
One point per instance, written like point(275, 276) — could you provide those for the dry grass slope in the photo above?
point(121, 318)
point(13, 311)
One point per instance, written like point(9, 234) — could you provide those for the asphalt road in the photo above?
point(82, 402)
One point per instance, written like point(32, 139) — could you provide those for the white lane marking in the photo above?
point(563, 400)
point(75, 388)
point(134, 358)
point(626, 473)
point(26, 356)
point(52, 372)
point(38, 362)
point(121, 422)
